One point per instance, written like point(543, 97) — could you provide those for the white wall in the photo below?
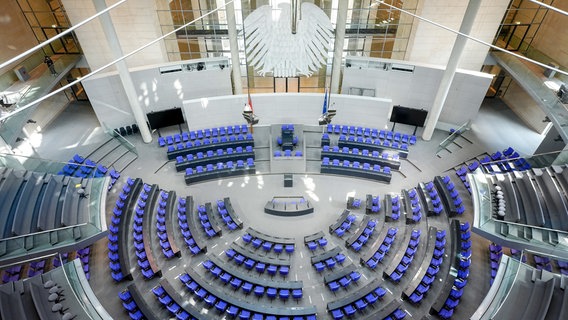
point(432, 44)
point(524, 106)
point(418, 89)
point(155, 91)
point(297, 108)
point(136, 24)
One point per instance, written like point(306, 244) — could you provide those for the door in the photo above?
point(286, 84)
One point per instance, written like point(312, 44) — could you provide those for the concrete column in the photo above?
point(234, 44)
point(123, 73)
point(449, 73)
point(338, 50)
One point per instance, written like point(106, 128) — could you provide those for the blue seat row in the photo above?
point(212, 154)
point(85, 168)
point(80, 167)
point(415, 206)
point(408, 256)
point(206, 141)
point(35, 268)
point(495, 254)
point(11, 274)
point(205, 222)
point(370, 132)
point(113, 245)
point(380, 142)
point(184, 227)
point(454, 194)
point(434, 198)
point(329, 262)
point(267, 245)
point(501, 161)
point(225, 216)
point(241, 311)
point(367, 233)
point(138, 234)
point(344, 281)
point(237, 283)
point(202, 134)
point(364, 152)
point(460, 281)
point(166, 300)
point(294, 140)
point(375, 204)
point(260, 267)
point(355, 165)
point(379, 255)
point(239, 164)
point(395, 206)
point(288, 153)
point(345, 225)
point(433, 268)
point(130, 305)
point(165, 244)
point(315, 243)
point(397, 314)
point(542, 263)
point(359, 305)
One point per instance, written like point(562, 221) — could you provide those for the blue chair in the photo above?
point(297, 293)
point(412, 140)
point(259, 291)
point(271, 292)
point(333, 286)
point(221, 305)
point(284, 294)
point(349, 310)
point(247, 287)
point(233, 311)
point(236, 283)
point(337, 314)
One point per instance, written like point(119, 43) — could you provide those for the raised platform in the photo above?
point(288, 206)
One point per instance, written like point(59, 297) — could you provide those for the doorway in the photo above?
point(284, 85)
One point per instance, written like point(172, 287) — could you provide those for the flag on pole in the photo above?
point(329, 97)
point(325, 102)
point(250, 103)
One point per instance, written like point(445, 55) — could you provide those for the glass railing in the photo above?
point(28, 245)
point(485, 223)
point(453, 136)
point(511, 271)
point(20, 162)
point(82, 291)
point(481, 196)
point(122, 140)
point(97, 201)
point(63, 236)
point(504, 279)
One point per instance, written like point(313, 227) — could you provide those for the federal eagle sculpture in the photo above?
point(272, 46)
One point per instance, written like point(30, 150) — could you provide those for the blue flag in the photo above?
point(325, 102)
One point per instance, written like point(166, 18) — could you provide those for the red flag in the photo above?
point(250, 103)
